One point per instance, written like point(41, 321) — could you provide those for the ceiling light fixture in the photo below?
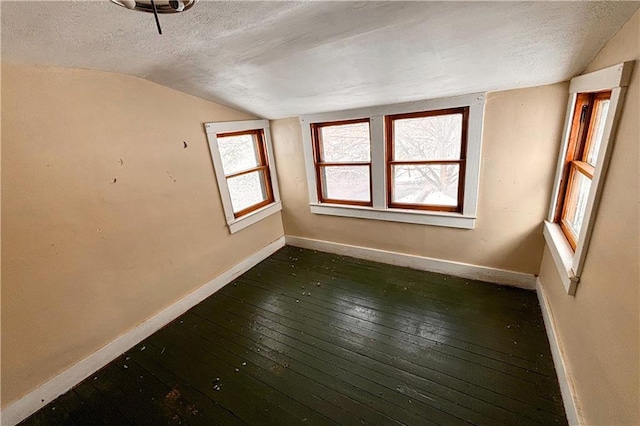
point(157, 6)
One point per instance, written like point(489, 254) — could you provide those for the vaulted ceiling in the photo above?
point(278, 59)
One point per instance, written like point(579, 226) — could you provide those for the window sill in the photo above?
point(253, 217)
point(562, 255)
point(451, 220)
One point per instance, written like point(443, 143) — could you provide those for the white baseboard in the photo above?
point(564, 379)
point(50, 390)
point(465, 270)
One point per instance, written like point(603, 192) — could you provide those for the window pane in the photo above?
point(238, 153)
point(346, 183)
point(428, 138)
point(345, 143)
point(247, 190)
point(433, 184)
point(598, 118)
point(576, 204)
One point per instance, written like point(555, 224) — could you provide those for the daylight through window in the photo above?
point(246, 170)
point(342, 152)
point(417, 162)
point(426, 154)
point(585, 139)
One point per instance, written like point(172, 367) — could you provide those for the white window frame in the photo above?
point(569, 263)
point(380, 211)
point(213, 129)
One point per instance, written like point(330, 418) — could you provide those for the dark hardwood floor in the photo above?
point(313, 338)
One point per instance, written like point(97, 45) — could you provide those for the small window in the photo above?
point(246, 170)
point(342, 157)
point(587, 128)
point(243, 161)
point(426, 155)
point(593, 110)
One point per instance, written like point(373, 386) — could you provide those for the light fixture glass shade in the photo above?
point(162, 6)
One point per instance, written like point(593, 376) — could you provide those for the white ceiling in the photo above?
point(278, 59)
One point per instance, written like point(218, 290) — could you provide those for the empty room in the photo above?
point(320, 213)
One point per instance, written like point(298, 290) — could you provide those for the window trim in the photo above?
point(569, 262)
point(257, 212)
point(380, 210)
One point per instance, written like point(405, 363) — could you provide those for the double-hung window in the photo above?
point(417, 162)
point(342, 157)
point(594, 107)
point(587, 129)
point(243, 160)
point(426, 159)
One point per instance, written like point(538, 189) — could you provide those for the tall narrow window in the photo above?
point(246, 170)
point(593, 111)
point(342, 157)
point(426, 159)
point(587, 128)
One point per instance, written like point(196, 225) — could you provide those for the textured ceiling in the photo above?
point(277, 59)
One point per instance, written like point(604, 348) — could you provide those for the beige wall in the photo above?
point(599, 328)
point(522, 130)
point(86, 258)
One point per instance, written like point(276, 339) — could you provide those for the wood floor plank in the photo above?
point(169, 400)
point(473, 318)
point(280, 369)
point(347, 382)
point(465, 292)
point(307, 337)
point(275, 349)
point(275, 371)
point(368, 290)
point(509, 384)
point(102, 411)
point(330, 300)
point(124, 377)
point(249, 398)
point(453, 302)
point(269, 325)
point(133, 412)
point(53, 414)
point(152, 361)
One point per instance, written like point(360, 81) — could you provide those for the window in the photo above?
point(242, 157)
point(244, 164)
point(342, 153)
point(585, 140)
point(592, 114)
point(417, 162)
point(426, 159)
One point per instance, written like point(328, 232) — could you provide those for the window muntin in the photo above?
point(585, 139)
point(426, 159)
point(246, 170)
point(463, 215)
point(342, 160)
